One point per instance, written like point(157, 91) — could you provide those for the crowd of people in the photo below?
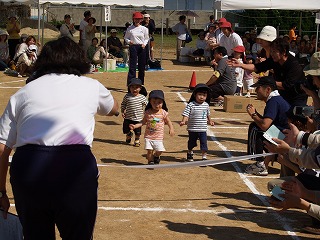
point(42, 129)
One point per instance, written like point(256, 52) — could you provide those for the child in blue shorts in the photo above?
point(197, 116)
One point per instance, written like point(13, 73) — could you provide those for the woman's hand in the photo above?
point(291, 134)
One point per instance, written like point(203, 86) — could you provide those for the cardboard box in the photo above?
point(236, 103)
point(239, 104)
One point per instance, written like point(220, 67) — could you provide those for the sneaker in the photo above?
point(190, 157)
point(313, 230)
point(156, 159)
point(128, 137)
point(136, 143)
point(257, 168)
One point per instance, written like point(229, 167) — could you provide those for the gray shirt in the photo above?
point(227, 79)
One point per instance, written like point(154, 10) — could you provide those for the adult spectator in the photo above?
point(223, 81)
point(100, 53)
point(211, 41)
point(92, 49)
point(90, 31)
point(137, 36)
point(211, 21)
point(292, 33)
point(67, 28)
point(218, 31)
point(152, 28)
point(230, 39)
point(116, 48)
point(52, 132)
point(13, 28)
point(274, 114)
point(181, 30)
point(287, 72)
point(26, 61)
point(4, 50)
point(83, 24)
point(31, 40)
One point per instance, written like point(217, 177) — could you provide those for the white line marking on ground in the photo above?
point(178, 210)
point(227, 127)
point(20, 80)
point(11, 87)
point(283, 221)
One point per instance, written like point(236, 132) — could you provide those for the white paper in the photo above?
point(10, 228)
point(273, 132)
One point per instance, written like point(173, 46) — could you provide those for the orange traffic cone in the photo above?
point(193, 81)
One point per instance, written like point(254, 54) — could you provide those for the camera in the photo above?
point(303, 111)
point(306, 82)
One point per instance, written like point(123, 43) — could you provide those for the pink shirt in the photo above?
point(155, 124)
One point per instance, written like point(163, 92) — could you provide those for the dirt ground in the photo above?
point(216, 202)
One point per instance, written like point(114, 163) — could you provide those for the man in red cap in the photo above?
point(137, 37)
point(230, 39)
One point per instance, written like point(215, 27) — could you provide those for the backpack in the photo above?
point(154, 64)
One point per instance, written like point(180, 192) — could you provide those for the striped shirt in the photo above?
point(197, 115)
point(155, 124)
point(133, 106)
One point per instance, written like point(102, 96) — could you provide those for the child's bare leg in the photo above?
point(150, 156)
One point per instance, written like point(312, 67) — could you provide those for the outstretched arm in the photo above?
point(4, 163)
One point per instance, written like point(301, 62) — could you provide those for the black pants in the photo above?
point(12, 47)
point(137, 53)
point(255, 141)
point(55, 185)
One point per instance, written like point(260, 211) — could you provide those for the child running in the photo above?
point(197, 114)
point(132, 108)
point(155, 117)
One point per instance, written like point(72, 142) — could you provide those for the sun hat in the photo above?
point(306, 37)
point(265, 81)
point(3, 32)
point(113, 30)
point(135, 81)
point(200, 87)
point(146, 15)
point(137, 15)
point(221, 20)
point(268, 33)
point(94, 20)
point(32, 48)
point(23, 35)
point(239, 49)
point(157, 94)
point(313, 68)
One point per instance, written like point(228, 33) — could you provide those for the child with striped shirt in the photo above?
point(155, 117)
point(197, 116)
point(132, 109)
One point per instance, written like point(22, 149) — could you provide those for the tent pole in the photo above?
point(162, 16)
point(39, 25)
point(42, 34)
point(101, 13)
point(317, 37)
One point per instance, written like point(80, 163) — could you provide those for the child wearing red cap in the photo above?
point(238, 53)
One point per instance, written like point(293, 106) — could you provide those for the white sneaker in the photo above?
point(248, 95)
point(257, 168)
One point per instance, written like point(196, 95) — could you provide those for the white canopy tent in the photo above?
point(225, 5)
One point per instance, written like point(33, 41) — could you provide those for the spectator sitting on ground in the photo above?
point(200, 45)
point(100, 53)
point(223, 81)
point(92, 49)
point(4, 50)
point(31, 40)
point(26, 61)
point(116, 48)
point(274, 114)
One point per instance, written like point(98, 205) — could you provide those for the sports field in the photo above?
point(215, 202)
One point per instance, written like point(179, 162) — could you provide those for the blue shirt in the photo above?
point(276, 109)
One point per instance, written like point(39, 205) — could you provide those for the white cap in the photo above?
point(146, 15)
point(268, 33)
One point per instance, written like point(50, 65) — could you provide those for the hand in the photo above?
point(131, 126)
point(214, 63)
point(294, 187)
point(211, 123)
point(291, 134)
point(290, 201)
point(123, 115)
point(269, 159)
point(5, 205)
point(182, 123)
point(143, 46)
point(233, 63)
point(250, 109)
point(311, 125)
point(171, 132)
point(282, 146)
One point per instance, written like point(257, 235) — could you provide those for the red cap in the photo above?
point(239, 49)
point(225, 25)
point(221, 20)
point(137, 15)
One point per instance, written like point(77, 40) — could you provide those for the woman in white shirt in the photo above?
point(137, 37)
point(181, 31)
point(67, 29)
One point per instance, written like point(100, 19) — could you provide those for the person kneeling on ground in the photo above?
point(26, 61)
point(274, 113)
point(223, 81)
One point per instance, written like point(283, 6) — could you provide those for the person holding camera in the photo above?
point(274, 114)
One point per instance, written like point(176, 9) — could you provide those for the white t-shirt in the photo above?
point(137, 35)
point(54, 110)
point(231, 42)
point(181, 29)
